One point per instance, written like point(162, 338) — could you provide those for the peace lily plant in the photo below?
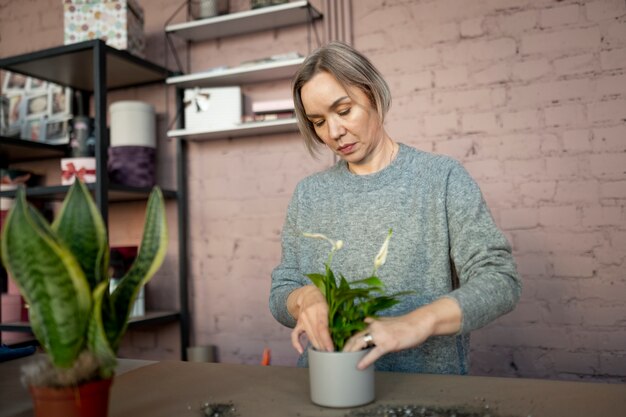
point(62, 270)
point(349, 303)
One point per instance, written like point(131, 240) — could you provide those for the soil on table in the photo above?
point(423, 411)
point(219, 410)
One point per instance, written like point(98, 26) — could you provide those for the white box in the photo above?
point(83, 168)
point(212, 108)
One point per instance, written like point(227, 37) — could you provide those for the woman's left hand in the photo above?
point(388, 334)
point(392, 334)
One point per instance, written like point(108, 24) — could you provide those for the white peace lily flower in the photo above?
point(315, 235)
point(382, 253)
point(380, 259)
point(335, 244)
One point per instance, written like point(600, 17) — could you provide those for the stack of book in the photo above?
point(270, 110)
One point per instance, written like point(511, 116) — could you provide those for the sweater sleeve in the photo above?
point(286, 277)
point(489, 283)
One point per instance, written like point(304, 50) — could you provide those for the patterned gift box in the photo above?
point(118, 22)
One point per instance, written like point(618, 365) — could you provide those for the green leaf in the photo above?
point(331, 281)
point(50, 279)
point(343, 283)
point(319, 281)
point(97, 339)
point(149, 259)
point(81, 227)
point(371, 281)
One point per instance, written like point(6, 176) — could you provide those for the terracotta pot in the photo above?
point(335, 380)
point(87, 400)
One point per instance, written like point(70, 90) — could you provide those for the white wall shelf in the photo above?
point(265, 18)
point(242, 130)
point(246, 74)
point(248, 21)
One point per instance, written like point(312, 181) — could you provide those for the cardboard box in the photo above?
point(212, 108)
point(118, 22)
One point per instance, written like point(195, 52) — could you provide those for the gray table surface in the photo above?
point(179, 389)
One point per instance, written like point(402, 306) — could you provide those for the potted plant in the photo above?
point(334, 378)
point(62, 271)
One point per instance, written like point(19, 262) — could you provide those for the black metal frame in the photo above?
point(111, 69)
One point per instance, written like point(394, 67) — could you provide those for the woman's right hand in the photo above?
point(308, 306)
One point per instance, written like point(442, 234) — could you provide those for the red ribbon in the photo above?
point(70, 171)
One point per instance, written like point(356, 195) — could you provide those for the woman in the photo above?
point(445, 246)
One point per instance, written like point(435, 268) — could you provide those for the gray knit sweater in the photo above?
point(437, 214)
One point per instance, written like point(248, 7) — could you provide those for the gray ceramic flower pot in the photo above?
point(336, 382)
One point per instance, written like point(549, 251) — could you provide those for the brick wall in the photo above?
point(529, 94)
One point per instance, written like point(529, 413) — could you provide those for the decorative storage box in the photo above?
point(132, 154)
point(132, 165)
point(133, 123)
point(83, 168)
point(118, 22)
point(212, 108)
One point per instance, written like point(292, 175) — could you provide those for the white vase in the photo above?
point(201, 9)
point(335, 380)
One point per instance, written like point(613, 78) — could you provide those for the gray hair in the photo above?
point(351, 69)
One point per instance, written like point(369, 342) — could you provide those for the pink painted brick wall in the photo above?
point(528, 95)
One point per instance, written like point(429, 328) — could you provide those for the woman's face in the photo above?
point(343, 118)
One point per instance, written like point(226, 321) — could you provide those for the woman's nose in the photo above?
point(336, 129)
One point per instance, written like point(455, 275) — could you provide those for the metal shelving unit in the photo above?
point(87, 66)
point(116, 192)
point(150, 318)
point(94, 68)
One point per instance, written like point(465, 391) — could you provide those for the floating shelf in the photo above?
point(248, 21)
point(242, 130)
point(245, 74)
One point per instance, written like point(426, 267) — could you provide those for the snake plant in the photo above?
point(62, 270)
